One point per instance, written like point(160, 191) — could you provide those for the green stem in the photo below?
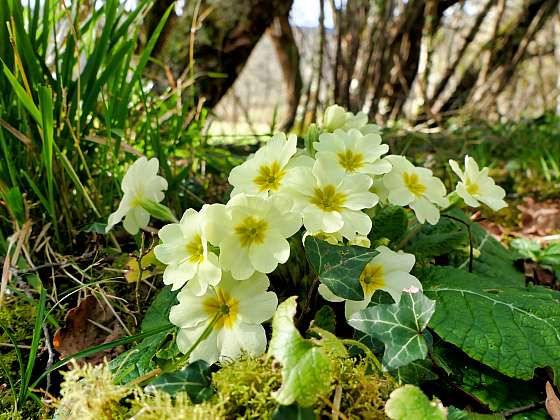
point(366, 350)
point(185, 358)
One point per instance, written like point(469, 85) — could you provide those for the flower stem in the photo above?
point(185, 358)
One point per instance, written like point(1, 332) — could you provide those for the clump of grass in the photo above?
point(244, 387)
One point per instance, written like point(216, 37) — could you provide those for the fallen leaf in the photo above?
point(552, 402)
point(87, 325)
point(539, 218)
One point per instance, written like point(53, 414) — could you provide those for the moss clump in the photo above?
point(363, 393)
point(161, 406)
point(244, 388)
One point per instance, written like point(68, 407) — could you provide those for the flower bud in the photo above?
point(335, 117)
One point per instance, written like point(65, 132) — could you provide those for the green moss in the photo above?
point(363, 393)
point(244, 388)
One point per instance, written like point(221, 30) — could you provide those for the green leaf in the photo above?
point(439, 239)
point(400, 326)
point(409, 402)
point(456, 414)
point(325, 318)
point(339, 267)
point(306, 369)
point(139, 360)
point(497, 391)
point(390, 222)
point(195, 380)
point(416, 372)
point(514, 330)
point(293, 412)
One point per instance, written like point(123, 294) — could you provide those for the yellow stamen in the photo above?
point(328, 199)
point(269, 177)
point(472, 187)
point(372, 278)
point(195, 250)
point(251, 231)
point(412, 182)
point(350, 161)
point(225, 305)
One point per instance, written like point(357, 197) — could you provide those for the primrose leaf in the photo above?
point(195, 379)
point(138, 360)
point(339, 267)
point(306, 368)
point(514, 330)
point(390, 222)
point(438, 239)
point(400, 326)
point(409, 402)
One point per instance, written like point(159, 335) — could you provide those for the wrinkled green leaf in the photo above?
point(325, 318)
point(293, 412)
point(497, 391)
point(409, 402)
point(439, 239)
point(195, 380)
point(390, 222)
point(339, 267)
point(511, 329)
point(399, 326)
point(306, 368)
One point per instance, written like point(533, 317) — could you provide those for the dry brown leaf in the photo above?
point(89, 324)
point(539, 218)
point(552, 402)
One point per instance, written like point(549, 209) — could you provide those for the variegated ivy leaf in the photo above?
point(399, 326)
point(339, 267)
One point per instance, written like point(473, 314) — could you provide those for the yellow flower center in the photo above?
point(412, 182)
point(195, 250)
point(350, 161)
point(372, 278)
point(251, 231)
point(269, 177)
point(328, 199)
point(222, 304)
point(472, 187)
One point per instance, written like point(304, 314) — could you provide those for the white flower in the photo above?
point(330, 201)
point(266, 170)
point(185, 251)
point(242, 306)
point(336, 117)
point(476, 186)
point(353, 152)
point(388, 271)
point(140, 183)
point(251, 232)
point(415, 187)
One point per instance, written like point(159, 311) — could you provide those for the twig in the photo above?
point(50, 351)
point(517, 410)
point(333, 408)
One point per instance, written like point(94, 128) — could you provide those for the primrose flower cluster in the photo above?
point(219, 257)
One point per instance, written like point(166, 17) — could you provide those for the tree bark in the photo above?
point(225, 34)
point(288, 55)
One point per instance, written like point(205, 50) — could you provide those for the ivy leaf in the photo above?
point(390, 222)
point(195, 379)
point(400, 326)
point(293, 412)
point(306, 368)
point(514, 330)
point(339, 267)
point(409, 402)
